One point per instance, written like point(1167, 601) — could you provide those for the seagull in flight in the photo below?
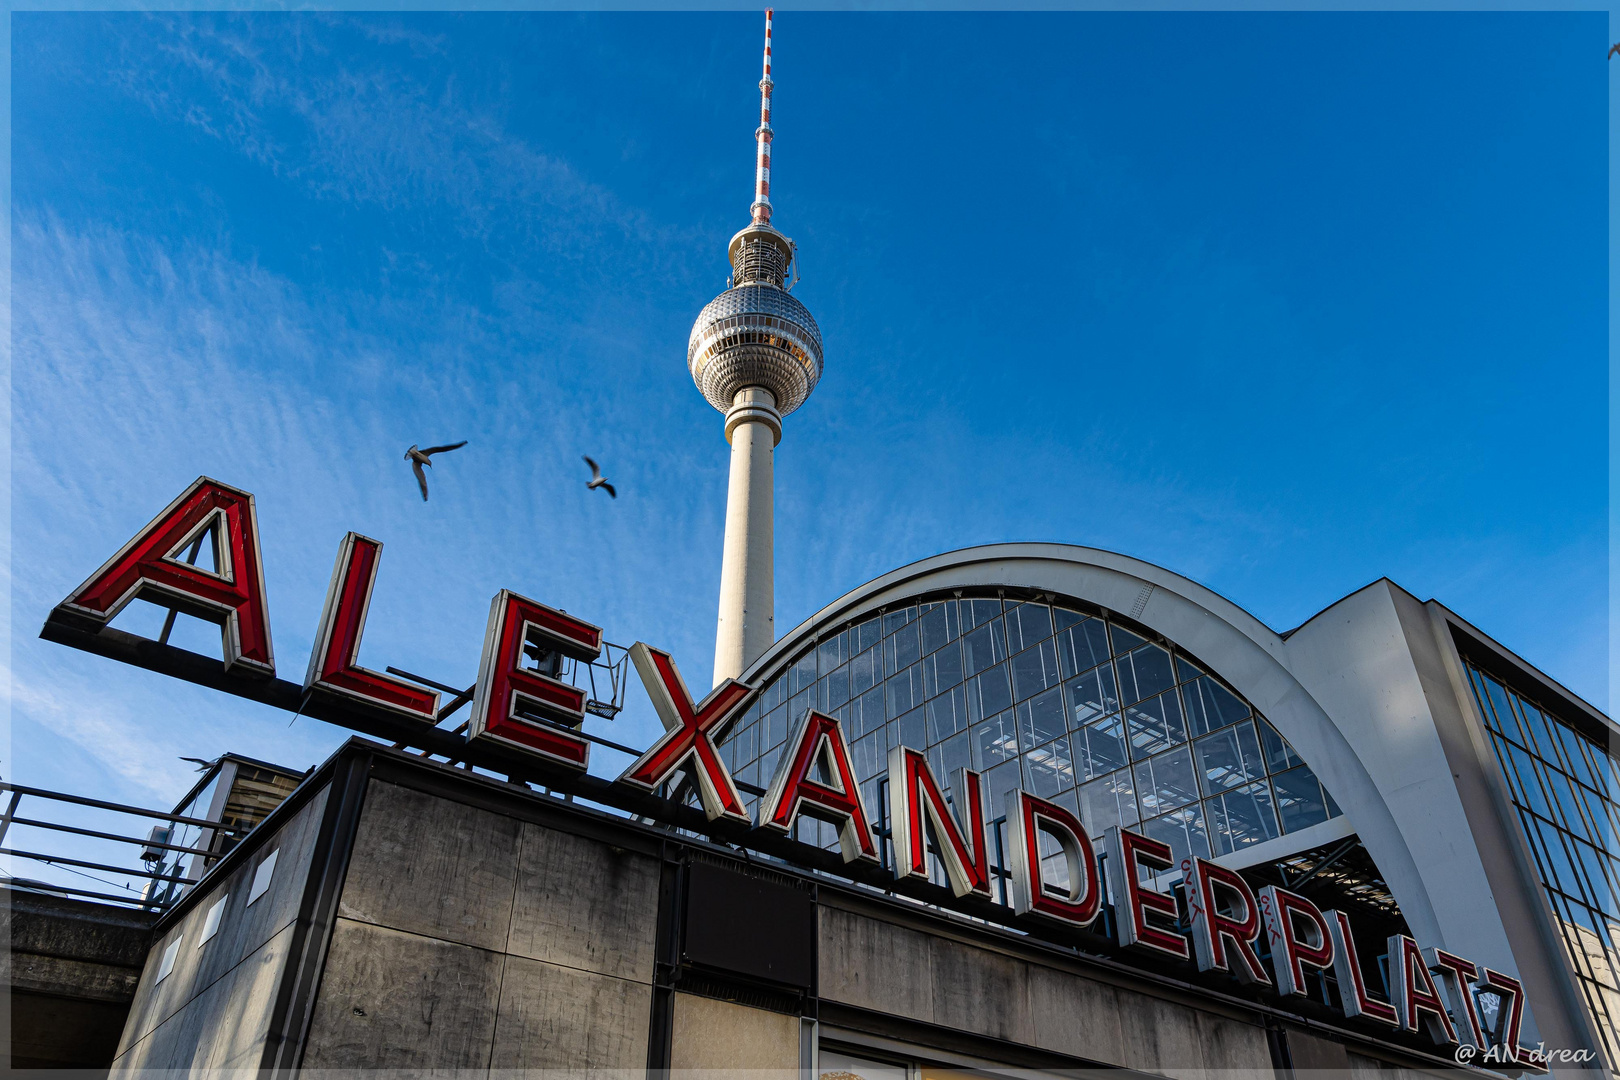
point(1614, 50)
point(597, 480)
point(419, 458)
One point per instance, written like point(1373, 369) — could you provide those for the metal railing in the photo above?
point(159, 857)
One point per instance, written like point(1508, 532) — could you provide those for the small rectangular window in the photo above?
point(262, 876)
point(166, 965)
point(211, 923)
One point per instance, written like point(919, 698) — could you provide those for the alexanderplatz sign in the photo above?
point(525, 723)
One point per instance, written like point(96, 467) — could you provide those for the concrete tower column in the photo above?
point(747, 623)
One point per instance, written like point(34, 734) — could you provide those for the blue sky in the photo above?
point(1284, 302)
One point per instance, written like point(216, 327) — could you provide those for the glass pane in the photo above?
point(938, 622)
point(1034, 670)
point(989, 692)
point(977, 612)
point(1299, 799)
point(1279, 755)
point(995, 741)
point(902, 650)
point(1008, 776)
point(894, 620)
point(947, 714)
point(1124, 640)
point(864, 672)
point(983, 647)
point(905, 690)
point(868, 756)
point(1027, 624)
point(1144, 673)
point(776, 728)
point(869, 712)
point(837, 689)
point(912, 730)
point(830, 654)
point(1506, 722)
point(1107, 801)
point(942, 670)
point(1211, 706)
point(1049, 768)
point(1099, 748)
point(949, 756)
point(1166, 781)
point(1242, 817)
point(1063, 618)
point(1184, 831)
point(1092, 695)
point(1041, 718)
point(1230, 758)
point(1155, 724)
point(1082, 646)
point(865, 636)
point(803, 673)
point(1186, 671)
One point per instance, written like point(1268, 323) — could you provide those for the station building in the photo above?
point(1376, 843)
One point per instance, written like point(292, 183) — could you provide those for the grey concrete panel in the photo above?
point(430, 866)
point(223, 1026)
point(82, 979)
point(874, 965)
point(392, 1000)
point(1317, 1059)
point(585, 904)
point(713, 1040)
point(1160, 1036)
point(242, 931)
point(1234, 1047)
point(1076, 1016)
point(981, 991)
point(554, 1017)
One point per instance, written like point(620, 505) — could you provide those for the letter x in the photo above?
point(690, 733)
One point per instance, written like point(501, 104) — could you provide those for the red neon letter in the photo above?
point(1212, 931)
point(689, 734)
point(149, 567)
point(1127, 853)
point(1456, 975)
point(1353, 993)
point(1285, 914)
point(1511, 991)
point(819, 738)
point(335, 663)
point(505, 690)
point(913, 794)
point(1078, 904)
point(1412, 991)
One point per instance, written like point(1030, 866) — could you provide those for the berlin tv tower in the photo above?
point(755, 353)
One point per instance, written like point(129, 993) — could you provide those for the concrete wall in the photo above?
point(876, 965)
point(73, 968)
point(212, 1011)
point(468, 939)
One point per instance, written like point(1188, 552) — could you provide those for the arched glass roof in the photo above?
point(1072, 703)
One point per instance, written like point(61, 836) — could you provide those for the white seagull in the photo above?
point(598, 481)
point(419, 458)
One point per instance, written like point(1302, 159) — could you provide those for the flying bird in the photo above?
point(202, 766)
point(419, 458)
point(1614, 49)
point(597, 480)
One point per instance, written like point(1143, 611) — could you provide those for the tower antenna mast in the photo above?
point(762, 138)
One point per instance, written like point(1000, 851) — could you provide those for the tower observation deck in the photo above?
point(755, 353)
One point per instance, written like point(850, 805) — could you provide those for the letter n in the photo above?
point(914, 796)
point(149, 567)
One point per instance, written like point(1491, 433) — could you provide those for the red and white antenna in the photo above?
point(762, 136)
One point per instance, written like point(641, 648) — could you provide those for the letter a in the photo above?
point(334, 665)
point(819, 739)
point(689, 734)
point(149, 568)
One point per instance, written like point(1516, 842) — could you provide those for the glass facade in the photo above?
point(1071, 706)
point(1566, 790)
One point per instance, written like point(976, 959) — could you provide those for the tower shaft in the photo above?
point(747, 622)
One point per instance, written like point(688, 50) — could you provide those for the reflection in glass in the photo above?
point(1242, 817)
point(995, 741)
point(1092, 695)
point(1099, 748)
point(1230, 758)
point(1144, 673)
point(1107, 801)
point(1299, 799)
point(1166, 781)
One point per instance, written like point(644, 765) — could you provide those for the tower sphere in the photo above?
point(755, 333)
